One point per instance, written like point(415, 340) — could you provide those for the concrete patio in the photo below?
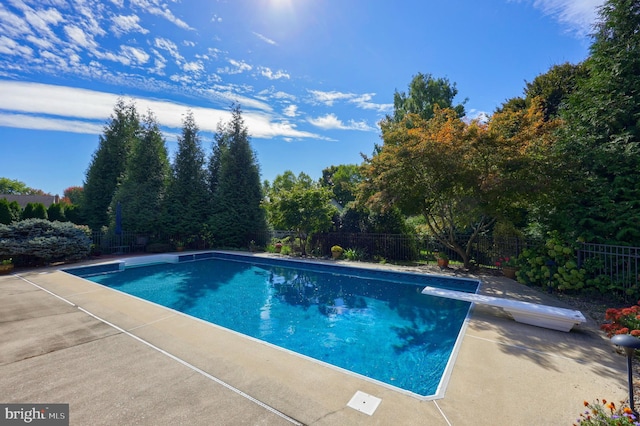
point(119, 360)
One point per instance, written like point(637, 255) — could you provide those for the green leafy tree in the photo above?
point(554, 87)
point(600, 146)
point(425, 92)
point(187, 201)
point(109, 163)
point(343, 181)
point(520, 151)
point(144, 183)
point(300, 205)
point(10, 186)
point(237, 212)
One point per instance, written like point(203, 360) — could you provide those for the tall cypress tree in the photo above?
point(144, 184)
point(187, 207)
point(237, 213)
point(601, 144)
point(109, 162)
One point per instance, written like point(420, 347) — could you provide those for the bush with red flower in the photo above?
point(506, 261)
point(622, 321)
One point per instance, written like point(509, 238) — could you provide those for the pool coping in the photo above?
point(499, 366)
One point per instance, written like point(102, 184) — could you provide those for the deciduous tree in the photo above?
point(299, 205)
point(425, 92)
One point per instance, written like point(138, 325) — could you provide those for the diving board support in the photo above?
point(525, 312)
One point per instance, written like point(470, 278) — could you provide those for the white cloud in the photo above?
point(474, 114)
point(265, 39)
point(578, 15)
point(51, 57)
point(41, 19)
point(88, 19)
point(216, 18)
point(12, 25)
point(362, 101)
point(169, 46)
point(154, 7)
point(10, 47)
point(267, 72)
point(331, 121)
point(328, 98)
point(237, 67)
point(195, 67)
point(291, 111)
point(159, 64)
point(127, 24)
point(23, 105)
point(134, 55)
point(275, 94)
point(78, 37)
point(22, 121)
point(40, 42)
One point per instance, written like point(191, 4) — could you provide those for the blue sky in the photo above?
point(313, 77)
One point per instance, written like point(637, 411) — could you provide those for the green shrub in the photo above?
point(9, 211)
point(40, 241)
point(552, 265)
point(56, 212)
point(354, 254)
point(34, 211)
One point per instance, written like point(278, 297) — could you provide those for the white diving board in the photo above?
point(525, 312)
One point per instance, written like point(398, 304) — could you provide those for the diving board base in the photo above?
point(560, 319)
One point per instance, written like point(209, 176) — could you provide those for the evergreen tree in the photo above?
point(186, 203)
point(109, 162)
point(238, 215)
point(601, 145)
point(144, 183)
point(220, 145)
point(56, 212)
point(34, 211)
point(9, 211)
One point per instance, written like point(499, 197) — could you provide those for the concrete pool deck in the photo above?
point(116, 359)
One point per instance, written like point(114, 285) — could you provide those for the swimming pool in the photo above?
point(369, 322)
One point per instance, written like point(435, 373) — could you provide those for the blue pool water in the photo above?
point(372, 323)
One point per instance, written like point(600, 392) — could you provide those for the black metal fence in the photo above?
point(485, 250)
point(619, 264)
point(126, 242)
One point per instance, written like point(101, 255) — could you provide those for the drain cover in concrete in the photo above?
point(364, 402)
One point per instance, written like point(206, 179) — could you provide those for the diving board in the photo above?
point(525, 312)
